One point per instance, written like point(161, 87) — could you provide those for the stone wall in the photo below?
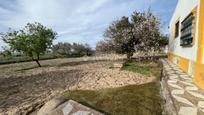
point(168, 107)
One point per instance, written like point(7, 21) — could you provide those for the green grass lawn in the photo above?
point(129, 100)
point(145, 68)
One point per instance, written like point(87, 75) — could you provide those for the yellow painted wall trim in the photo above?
point(199, 66)
point(201, 33)
point(182, 62)
point(199, 75)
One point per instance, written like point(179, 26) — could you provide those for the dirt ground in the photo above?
point(24, 87)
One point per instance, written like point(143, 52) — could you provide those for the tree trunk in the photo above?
point(129, 56)
point(37, 61)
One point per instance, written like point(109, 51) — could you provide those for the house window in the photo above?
point(177, 29)
point(187, 31)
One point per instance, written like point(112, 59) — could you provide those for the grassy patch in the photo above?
point(145, 68)
point(10, 60)
point(129, 100)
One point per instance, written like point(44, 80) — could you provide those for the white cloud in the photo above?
point(74, 20)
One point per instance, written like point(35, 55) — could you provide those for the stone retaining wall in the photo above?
point(169, 107)
point(181, 95)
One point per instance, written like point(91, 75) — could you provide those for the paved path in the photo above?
point(187, 98)
point(56, 107)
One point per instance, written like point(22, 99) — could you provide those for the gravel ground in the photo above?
point(24, 87)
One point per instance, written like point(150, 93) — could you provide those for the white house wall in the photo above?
point(183, 9)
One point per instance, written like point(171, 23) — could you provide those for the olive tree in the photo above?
point(121, 36)
point(62, 49)
point(146, 28)
point(6, 53)
point(104, 46)
point(140, 32)
point(34, 39)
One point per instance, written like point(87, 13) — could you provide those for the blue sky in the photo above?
point(82, 21)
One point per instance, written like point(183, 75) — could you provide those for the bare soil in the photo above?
point(24, 87)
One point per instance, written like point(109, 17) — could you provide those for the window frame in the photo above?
point(187, 31)
point(177, 29)
point(194, 13)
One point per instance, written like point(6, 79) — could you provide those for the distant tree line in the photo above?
point(5, 53)
point(35, 40)
point(72, 50)
point(139, 32)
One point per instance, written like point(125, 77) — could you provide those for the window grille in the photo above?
point(187, 31)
